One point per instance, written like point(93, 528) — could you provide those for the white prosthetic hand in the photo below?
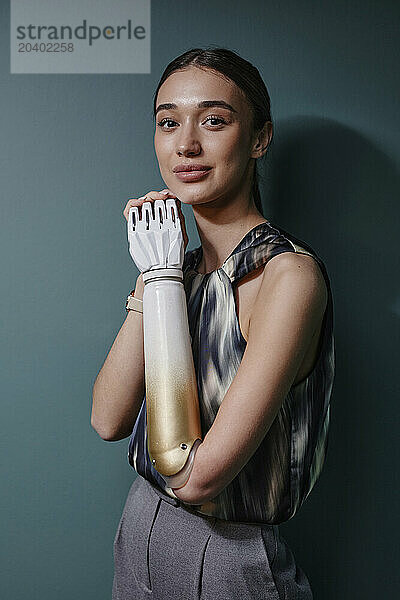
point(173, 418)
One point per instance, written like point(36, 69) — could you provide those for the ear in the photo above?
point(262, 140)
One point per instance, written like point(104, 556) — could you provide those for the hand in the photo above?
point(163, 195)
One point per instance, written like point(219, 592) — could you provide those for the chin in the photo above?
point(184, 197)
point(194, 201)
point(191, 196)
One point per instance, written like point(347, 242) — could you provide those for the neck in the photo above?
point(221, 228)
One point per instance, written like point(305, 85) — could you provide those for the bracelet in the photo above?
point(133, 303)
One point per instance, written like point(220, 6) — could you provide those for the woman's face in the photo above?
point(213, 136)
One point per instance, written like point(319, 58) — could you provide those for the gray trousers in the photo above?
point(164, 550)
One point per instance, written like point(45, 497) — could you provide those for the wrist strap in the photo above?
point(133, 303)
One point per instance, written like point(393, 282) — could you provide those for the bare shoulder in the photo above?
point(302, 269)
point(285, 261)
point(294, 274)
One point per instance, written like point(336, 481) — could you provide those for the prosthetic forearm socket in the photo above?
point(173, 418)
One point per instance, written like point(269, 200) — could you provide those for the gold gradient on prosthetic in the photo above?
point(173, 417)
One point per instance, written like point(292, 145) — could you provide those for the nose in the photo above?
point(187, 144)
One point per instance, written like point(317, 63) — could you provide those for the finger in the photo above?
point(132, 202)
point(166, 192)
point(149, 197)
point(129, 204)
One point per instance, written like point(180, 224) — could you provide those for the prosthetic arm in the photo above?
point(173, 418)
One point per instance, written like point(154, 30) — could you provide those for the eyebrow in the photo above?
point(204, 104)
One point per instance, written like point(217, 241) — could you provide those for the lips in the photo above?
point(192, 167)
point(189, 176)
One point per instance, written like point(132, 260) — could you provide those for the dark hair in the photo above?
point(241, 72)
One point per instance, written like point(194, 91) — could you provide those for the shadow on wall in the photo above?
point(331, 187)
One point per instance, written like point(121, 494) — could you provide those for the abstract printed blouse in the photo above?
point(281, 473)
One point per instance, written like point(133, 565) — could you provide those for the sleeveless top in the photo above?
point(281, 473)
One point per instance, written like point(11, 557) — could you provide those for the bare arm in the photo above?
point(119, 387)
point(287, 311)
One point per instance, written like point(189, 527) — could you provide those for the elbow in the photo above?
point(108, 419)
point(103, 432)
point(204, 495)
point(110, 435)
point(195, 493)
point(200, 488)
point(189, 494)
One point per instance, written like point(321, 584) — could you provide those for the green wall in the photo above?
point(73, 149)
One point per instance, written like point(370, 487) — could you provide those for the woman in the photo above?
point(263, 348)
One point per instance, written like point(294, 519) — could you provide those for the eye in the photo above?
point(216, 118)
point(164, 121)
